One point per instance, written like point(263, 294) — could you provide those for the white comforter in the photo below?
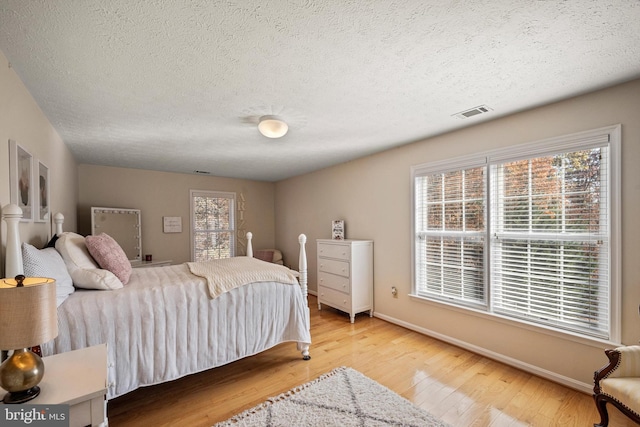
point(162, 325)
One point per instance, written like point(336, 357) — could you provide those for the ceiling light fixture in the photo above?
point(272, 127)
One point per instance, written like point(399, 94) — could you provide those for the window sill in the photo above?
point(556, 333)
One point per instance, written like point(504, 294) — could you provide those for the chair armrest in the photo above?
point(623, 362)
point(629, 362)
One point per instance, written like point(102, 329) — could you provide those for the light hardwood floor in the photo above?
point(459, 387)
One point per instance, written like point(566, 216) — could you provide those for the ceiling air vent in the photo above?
point(473, 112)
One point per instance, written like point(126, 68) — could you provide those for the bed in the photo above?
point(164, 323)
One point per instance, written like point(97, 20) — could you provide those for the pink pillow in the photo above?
point(264, 255)
point(109, 255)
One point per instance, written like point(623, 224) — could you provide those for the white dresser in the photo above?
point(345, 275)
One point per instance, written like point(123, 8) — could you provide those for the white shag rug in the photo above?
point(343, 397)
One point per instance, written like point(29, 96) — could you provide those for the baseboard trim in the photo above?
point(532, 369)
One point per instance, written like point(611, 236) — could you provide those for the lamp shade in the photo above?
point(272, 127)
point(28, 313)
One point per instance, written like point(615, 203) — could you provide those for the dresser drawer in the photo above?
point(334, 298)
point(334, 251)
point(334, 267)
point(339, 283)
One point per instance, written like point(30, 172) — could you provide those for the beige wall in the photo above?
point(373, 196)
point(159, 194)
point(22, 121)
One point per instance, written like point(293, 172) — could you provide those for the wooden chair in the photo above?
point(618, 383)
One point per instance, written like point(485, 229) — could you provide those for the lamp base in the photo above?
point(20, 375)
point(21, 396)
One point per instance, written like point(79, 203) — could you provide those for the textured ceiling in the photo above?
point(179, 85)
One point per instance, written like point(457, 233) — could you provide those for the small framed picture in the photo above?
point(20, 179)
point(337, 230)
point(41, 199)
point(172, 224)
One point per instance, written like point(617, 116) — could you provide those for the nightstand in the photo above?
point(79, 379)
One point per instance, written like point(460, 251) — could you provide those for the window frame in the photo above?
point(546, 147)
point(443, 167)
point(213, 194)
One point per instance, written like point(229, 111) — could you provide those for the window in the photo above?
point(213, 233)
point(451, 234)
point(527, 233)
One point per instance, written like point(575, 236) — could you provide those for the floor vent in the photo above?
point(473, 112)
point(202, 172)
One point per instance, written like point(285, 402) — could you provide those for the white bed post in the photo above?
point(58, 219)
point(13, 263)
point(302, 269)
point(249, 245)
point(302, 265)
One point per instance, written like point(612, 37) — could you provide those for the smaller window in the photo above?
point(450, 235)
point(213, 232)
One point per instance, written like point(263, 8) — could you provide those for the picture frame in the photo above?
point(21, 180)
point(172, 224)
point(42, 193)
point(337, 230)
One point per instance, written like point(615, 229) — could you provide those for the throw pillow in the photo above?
point(83, 269)
point(109, 255)
point(47, 263)
point(264, 255)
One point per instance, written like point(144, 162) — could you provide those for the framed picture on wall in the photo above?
point(21, 179)
point(41, 199)
point(172, 224)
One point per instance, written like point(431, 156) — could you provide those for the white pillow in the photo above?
point(47, 263)
point(82, 267)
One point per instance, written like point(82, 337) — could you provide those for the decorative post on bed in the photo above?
point(58, 220)
point(249, 245)
point(13, 263)
point(302, 265)
point(302, 269)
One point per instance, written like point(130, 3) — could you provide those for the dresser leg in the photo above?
point(353, 318)
point(319, 306)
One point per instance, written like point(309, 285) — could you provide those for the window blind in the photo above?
point(550, 239)
point(213, 228)
point(450, 238)
point(529, 232)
